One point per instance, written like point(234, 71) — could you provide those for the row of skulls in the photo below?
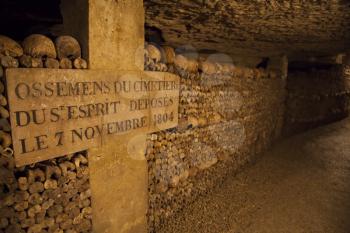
point(37, 51)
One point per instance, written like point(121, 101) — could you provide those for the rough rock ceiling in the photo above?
point(298, 28)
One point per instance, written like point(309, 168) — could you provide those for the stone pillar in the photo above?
point(112, 37)
point(116, 34)
point(111, 32)
point(118, 174)
point(118, 178)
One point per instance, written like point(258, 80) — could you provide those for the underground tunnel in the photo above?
point(132, 116)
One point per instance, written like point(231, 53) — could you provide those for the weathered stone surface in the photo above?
point(116, 35)
point(254, 27)
point(57, 112)
point(119, 192)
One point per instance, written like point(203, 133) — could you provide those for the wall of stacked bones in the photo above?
point(316, 97)
point(228, 115)
point(51, 196)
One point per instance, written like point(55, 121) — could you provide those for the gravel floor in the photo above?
point(301, 185)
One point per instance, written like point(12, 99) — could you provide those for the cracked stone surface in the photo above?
point(297, 28)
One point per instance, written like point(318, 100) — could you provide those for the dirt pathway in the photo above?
point(302, 185)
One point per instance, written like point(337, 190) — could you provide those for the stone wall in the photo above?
point(316, 96)
point(227, 116)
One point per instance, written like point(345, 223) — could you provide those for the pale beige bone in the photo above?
point(36, 174)
point(53, 171)
point(66, 166)
point(9, 62)
point(80, 159)
point(65, 225)
point(72, 175)
point(192, 65)
point(23, 183)
point(71, 231)
point(82, 172)
point(26, 61)
point(65, 63)
point(50, 184)
point(49, 222)
point(3, 100)
point(61, 217)
point(174, 181)
point(47, 204)
point(5, 139)
point(154, 53)
point(181, 62)
point(30, 62)
point(238, 72)
point(84, 226)
point(21, 196)
point(67, 47)
point(163, 67)
point(27, 222)
point(32, 211)
point(52, 63)
point(85, 195)
point(35, 199)
point(80, 63)
point(207, 67)
point(4, 113)
point(87, 212)
point(21, 206)
point(145, 52)
point(36, 228)
point(36, 187)
point(219, 68)
point(40, 218)
point(169, 54)
point(37, 63)
point(10, 47)
point(148, 60)
point(39, 46)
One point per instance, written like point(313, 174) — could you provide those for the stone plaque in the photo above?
point(58, 112)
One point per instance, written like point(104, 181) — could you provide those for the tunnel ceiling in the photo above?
point(297, 28)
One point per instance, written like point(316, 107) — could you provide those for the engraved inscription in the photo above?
point(56, 112)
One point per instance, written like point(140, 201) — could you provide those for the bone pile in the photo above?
point(227, 115)
point(52, 196)
point(39, 51)
point(47, 197)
